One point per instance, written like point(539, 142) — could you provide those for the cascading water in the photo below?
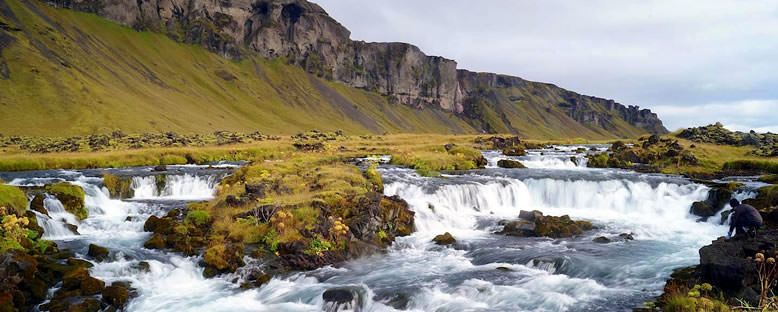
point(179, 187)
point(482, 272)
point(54, 224)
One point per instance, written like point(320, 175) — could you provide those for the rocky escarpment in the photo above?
point(304, 34)
point(766, 144)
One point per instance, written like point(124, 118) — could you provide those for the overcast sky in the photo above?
point(692, 62)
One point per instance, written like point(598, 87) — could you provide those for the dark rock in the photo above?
point(88, 305)
point(79, 263)
point(509, 163)
point(116, 296)
point(627, 236)
point(160, 168)
point(444, 239)
point(602, 240)
point(143, 266)
point(73, 228)
point(546, 226)
point(514, 151)
point(519, 228)
point(505, 269)
point(530, 215)
point(37, 204)
point(155, 242)
point(718, 197)
point(338, 295)
point(97, 252)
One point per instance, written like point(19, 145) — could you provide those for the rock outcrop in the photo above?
point(302, 33)
point(535, 224)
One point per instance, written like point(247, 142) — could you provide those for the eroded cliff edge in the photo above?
point(304, 34)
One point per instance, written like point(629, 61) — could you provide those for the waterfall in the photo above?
point(54, 224)
point(647, 209)
point(178, 187)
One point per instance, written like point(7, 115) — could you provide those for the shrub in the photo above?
point(198, 217)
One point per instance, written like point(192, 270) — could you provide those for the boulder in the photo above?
point(79, 279)
point(602, 240)
point(509, 163)
point(116, 295)
point(160, 168)
point(155, 242)
point(37, 204)
point(519, 228)
point(530, 215)
point(71, 196)
point(118, 187)
point(444, 239)
point(99, 253)
point(514, 151)
point(342, 299)
point(718, 197)
point(546, 226)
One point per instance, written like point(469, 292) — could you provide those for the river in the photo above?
point(483, 271)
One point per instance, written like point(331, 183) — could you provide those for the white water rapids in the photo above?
point(535, 274)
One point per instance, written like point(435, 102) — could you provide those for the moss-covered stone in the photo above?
point(13, 199)
point(770, 178)
point(157, 241)
point(444, 239)
point(118, 187)
point(116, 295)
point(546, 226)
point(225, 257)
point(514, 151)
point(99, 253)
point(509, 163)
point(37, 204)
point(71, 196)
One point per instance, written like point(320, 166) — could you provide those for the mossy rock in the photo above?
point(13, 199)
point(770, 178)
point(71, 196)
point(118, 187)
point(225, 257)
point(79, 279)
point(88, 305)
point(444, 239)
point(767, 198)
point(116, 295)
point(99, 253)
point(509, 163)
point(559, 227)
point(597, 161)
point(514, 151)
point(157, 241)
point(37, 204)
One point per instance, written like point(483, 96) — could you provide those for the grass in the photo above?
point(98, 76)
point(13, 199)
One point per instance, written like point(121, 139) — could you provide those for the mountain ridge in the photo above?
point(302, 34)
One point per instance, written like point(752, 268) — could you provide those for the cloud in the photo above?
point(740, 115)
point(655, 53)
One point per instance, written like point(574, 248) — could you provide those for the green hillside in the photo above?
point(65, 72)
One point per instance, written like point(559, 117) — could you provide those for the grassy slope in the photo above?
point(81, 74)
point(74, 73)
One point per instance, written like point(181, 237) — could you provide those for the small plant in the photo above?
point(198, 217)
point(767, 274)
point(317, 246)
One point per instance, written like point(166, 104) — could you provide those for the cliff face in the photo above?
point(304, 34)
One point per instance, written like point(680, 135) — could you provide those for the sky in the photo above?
point(693, 63)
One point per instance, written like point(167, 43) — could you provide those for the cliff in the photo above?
point(302, 34)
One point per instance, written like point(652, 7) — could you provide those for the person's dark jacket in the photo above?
point(745, 215)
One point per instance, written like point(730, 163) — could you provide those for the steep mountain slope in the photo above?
point(276, 66)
